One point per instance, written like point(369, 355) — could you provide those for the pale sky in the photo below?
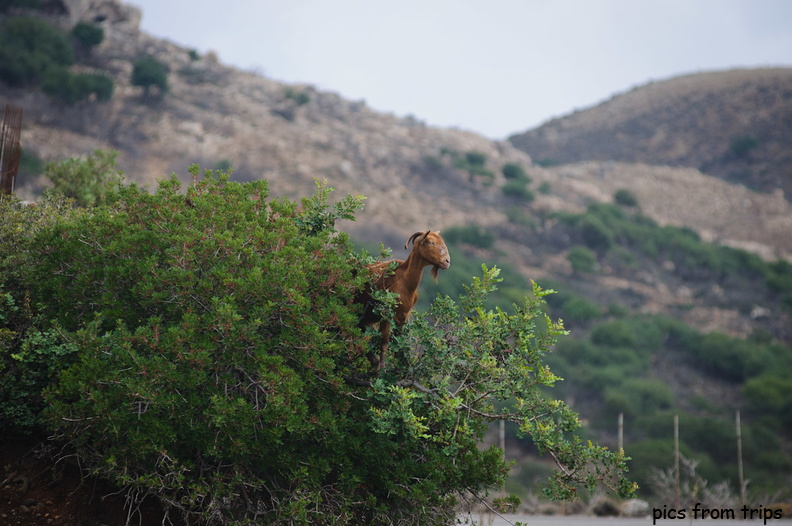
point(495, 67)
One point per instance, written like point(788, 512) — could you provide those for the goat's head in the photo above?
point(431, 247)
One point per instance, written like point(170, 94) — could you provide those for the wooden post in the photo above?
point(676, 461)
point(739, 459)
point(503, 438)
point(621, 432)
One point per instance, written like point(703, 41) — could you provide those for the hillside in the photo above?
point(666, 258)
point(735, 125)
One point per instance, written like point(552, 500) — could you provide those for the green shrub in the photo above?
point(637, 396)
point(595, 234)
point(475, 159)
point(89, 35)
point(472, 235)
point(30, 164)
point(29, 47)
point(300, 97)
point(580, 310)
point(616, 333)
point(90, 181)
point(743, 145)
point(70, 88)
point(149, 73)
point(582, 259)
point(515, 172)
point(214, 373)
point(771, 394)
point(731, 358)
point(32, 350)
point(625, 198)
point(518, 189)
point(519, 216)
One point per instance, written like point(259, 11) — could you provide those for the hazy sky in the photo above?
point(495, 67)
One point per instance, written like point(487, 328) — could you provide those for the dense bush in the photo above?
point(150, 74)
point(88, 181)
point(210, 358)
point(474, 163)
point(637, 396)
point(473, 235)
point(771, 395)
point(70, 88)
point(29, 47)
point(88, 35)
point(625, 198)
point(32, 350)
point(582, 259)
point(518, 189)
point(741, 146)
point(515, 172)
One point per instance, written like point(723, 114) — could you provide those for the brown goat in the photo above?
point(428, 249)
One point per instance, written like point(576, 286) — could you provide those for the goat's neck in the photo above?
point(413, 270)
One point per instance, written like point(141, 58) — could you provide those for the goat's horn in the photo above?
point(412, 239)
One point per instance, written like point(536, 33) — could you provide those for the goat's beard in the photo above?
point(435, 270)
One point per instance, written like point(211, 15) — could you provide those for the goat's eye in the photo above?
point(431, 243)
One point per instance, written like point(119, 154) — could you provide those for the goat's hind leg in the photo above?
point(379, 363)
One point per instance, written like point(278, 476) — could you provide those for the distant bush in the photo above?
point(638, 396)
point(614, 334)
point(625, 198)
point(771, 395)
point(149, 73)
point(88, 181)
point(580, 310)
point(515, 171)
point(477, 159)
point(30, 164)
point(518, 189)
point(89, 35)
point(595, 233)
point(70, 88)
point(300, 97)
point(474, 163)
point(741, 146)
point(582, 259)
point(29, 47)
point(519, 216)
point(472, 235)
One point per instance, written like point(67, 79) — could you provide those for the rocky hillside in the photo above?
point(736, 125)
point(416, 176)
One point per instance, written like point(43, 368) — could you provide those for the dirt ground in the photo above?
point(35, 491)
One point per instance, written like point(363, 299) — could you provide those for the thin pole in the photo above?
point(503, 438)
point(621, 432)
point(740, 460)
point(676, 461)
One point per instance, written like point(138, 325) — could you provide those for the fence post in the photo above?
point(739, 459)
point(676, 462)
